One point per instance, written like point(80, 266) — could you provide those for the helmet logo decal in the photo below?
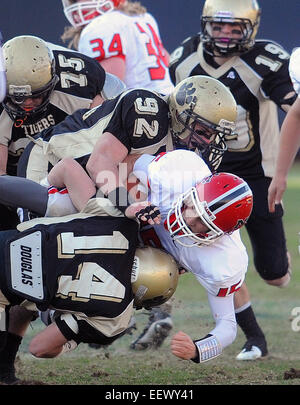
point(229, 198)
point(135, 269)
point(185, 94)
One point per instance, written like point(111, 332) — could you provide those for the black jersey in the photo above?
point(79, 265)
point(138, 118)
point(80, 79)
point(259, 80)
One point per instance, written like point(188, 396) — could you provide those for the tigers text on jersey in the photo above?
point(85, 263)
point(138, 118)
point(259, 80)
point(135, 39)
point(219, 267)
point(80, 80)
point(294, 69)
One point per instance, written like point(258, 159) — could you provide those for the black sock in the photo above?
point(9, 352)
point(248, 323)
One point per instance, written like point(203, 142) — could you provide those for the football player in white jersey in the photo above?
point(124, 38)
point(200, 214)
point(289, 139)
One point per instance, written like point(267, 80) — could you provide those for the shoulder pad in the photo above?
point(266, 57)
point(186, 48)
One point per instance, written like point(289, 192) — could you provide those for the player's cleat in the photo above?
point(255, 348)
point(8, 376)
point(156, 331)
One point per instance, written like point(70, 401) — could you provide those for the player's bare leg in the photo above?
point(68, 173)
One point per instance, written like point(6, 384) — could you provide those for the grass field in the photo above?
point(118, 365)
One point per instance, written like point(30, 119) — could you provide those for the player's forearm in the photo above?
point(103, 164)
point(289, 141)
point(225, 329)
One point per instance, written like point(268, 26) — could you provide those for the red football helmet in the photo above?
point(223, 202)
point(81, 12)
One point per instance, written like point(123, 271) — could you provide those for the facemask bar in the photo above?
point(80, 14)
point(18, 94)
point(210, 144)
point(179, 230)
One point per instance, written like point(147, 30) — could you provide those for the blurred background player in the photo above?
point(256, 71)
point(124, 38)
point(289, 138)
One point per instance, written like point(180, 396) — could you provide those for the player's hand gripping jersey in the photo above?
point(219, 267)
point(135, 39)
point(80, 80)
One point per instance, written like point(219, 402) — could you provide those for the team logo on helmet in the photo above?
point(185, 94)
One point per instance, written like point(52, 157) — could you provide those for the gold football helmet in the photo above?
point(154, 277)
point(245, 13)
point(30, 73)
point(203, 112)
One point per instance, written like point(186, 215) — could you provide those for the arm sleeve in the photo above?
point(222, 309)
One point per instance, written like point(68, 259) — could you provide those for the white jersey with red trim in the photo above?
point(136, 39)
point(294, 69)
point(219, 267)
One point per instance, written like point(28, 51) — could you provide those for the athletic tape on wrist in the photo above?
point(208, 348)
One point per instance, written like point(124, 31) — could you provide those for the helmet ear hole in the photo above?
point(154, 277)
